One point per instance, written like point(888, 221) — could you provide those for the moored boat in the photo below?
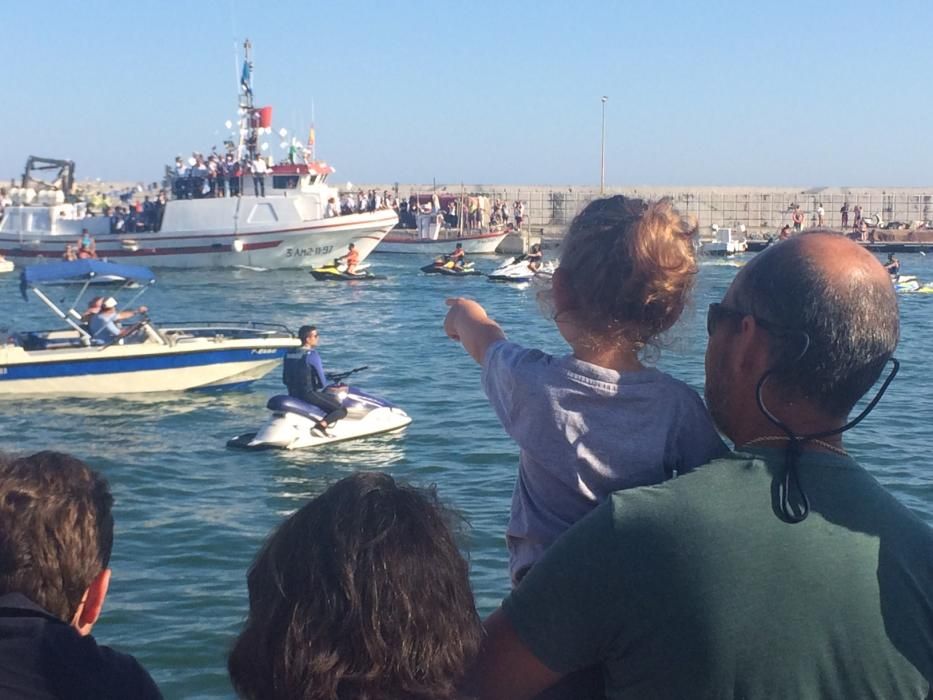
point(407, 241)
point(146, 357)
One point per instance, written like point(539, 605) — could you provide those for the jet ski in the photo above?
point(443, 266)
point(338, 273)
point(293, 424)
point(518, 270)
point(909, 284)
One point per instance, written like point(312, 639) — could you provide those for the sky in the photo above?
point(763, 93)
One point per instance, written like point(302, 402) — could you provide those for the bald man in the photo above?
point(783, 570)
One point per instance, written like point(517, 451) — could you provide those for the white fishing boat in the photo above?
point(407, 241)
point(277, 222)
point(146, 357)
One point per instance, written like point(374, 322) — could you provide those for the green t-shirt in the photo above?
point(695, 588)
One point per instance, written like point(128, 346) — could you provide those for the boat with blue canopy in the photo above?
point(71, 360)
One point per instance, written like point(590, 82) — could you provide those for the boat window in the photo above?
point(285, 182)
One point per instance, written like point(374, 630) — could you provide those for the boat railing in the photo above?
point(202, 328)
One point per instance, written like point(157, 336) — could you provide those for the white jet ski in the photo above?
point(293, 424)
point(518, 270)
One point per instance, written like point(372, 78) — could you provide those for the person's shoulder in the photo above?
point(71, 665)
point(694, 487)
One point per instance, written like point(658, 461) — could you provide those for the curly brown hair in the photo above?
point(56, 529)
point(631, 265)
point(362, 593)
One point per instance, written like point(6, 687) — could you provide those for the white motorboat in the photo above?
point(292, 425)
point(726, 242)
point(147, 357)
point(278, 222)
point(6, 265)
point(409, 241)
point(518, 269)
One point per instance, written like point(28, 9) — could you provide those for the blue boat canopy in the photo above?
point(77, 270)
point(85, 270)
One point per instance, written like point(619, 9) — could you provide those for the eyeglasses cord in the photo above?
point(796, 442)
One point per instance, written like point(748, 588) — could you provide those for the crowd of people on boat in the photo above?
point(214, 175)
point(636, 536)
point(472, 209)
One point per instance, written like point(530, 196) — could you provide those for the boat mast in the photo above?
point(248, 118)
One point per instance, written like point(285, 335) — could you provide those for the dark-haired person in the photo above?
point(784, 570)
point(56, 534)
point(534, 257)
point(303, 375)
point(458, 256)
point(893, 265)
point(362, 593)
point(596, 420)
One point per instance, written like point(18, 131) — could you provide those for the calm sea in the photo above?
point(191, 514)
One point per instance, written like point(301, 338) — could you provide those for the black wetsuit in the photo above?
point(304, 382)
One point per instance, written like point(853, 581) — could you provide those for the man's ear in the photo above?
point(91, 605)
point(562, 292)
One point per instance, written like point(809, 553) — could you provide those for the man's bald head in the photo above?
point(837, 293)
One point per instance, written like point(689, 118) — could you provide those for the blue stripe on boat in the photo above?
point(196, 358)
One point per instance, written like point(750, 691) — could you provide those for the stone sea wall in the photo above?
point(762, 210)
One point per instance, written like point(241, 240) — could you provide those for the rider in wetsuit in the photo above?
point(303, 374)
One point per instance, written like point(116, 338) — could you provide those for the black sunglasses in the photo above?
point(717, 312)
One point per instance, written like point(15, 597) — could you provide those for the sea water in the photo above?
point(191, 514)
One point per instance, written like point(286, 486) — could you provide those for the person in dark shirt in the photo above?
point(303, 374)
point(56, 535)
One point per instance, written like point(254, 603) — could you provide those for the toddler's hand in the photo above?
point(461, 310)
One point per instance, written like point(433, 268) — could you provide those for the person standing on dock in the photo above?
point(858, 216)
point(797, 218)
point(819, 215)
point(845, 215)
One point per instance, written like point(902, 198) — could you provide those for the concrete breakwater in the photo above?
point(763, 211)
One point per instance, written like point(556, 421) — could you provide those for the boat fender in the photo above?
point(237, 245)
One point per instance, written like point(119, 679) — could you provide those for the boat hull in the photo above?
point(138, 368)
point(472, 245)
point(304, 245)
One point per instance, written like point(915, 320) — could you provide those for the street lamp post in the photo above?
point(602, 150)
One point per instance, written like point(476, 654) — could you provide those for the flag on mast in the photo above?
point(311, 140)
point(245, 76)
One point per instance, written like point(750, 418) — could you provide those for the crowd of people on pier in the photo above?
point(646, 557)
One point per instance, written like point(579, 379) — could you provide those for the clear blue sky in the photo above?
point(705, 93)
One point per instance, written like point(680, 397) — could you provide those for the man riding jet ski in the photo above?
point(303, 374)
point(313, 414)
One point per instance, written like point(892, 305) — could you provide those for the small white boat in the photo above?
point(726, 242)
point(147, 357)
point(518, 269)
point(292, 425)
point(408, 241)
point(6, 265)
